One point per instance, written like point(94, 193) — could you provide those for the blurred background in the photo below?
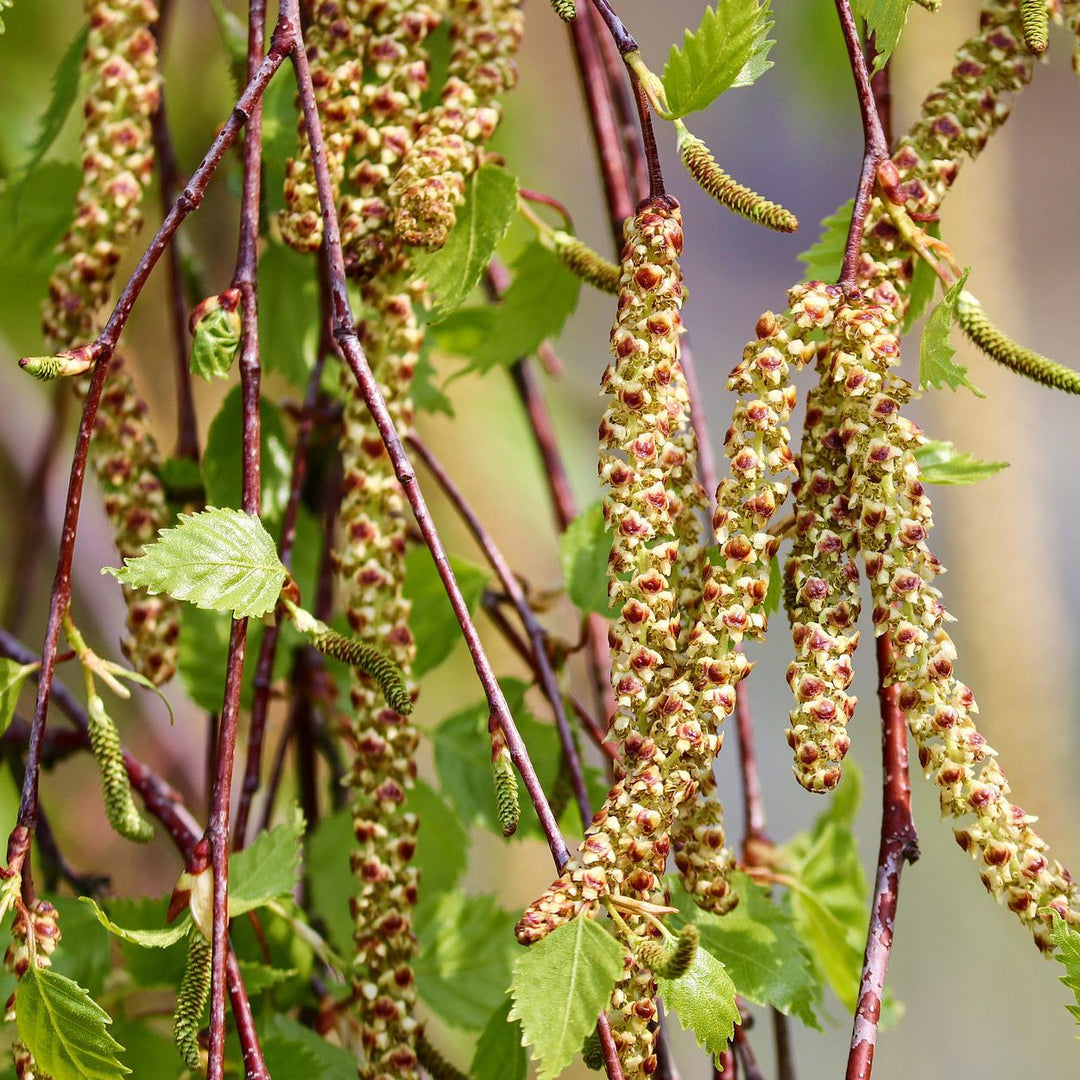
point(979, 999)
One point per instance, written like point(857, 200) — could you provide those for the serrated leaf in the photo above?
point(65, 1029)
point(823, 259)
point(499, 1053)
point(433, 623)
point(885, 19)
point(288, 288)
point(454, 270)
point(223, 458)
point(1067, 941)
point(704, 1001)
point(584, 549)
point(464, 962)
point(12, 676)
point(267, 869)
point(560, 986)
point(222, 560)
point(936, 364)
point(942, 463)
point(728, 49)
point(148, 967)
point(760, 948)
point(285, 1039)
point(216, 344)
point(162, 938)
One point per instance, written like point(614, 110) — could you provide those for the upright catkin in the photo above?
point(120, 70)
point(46, 931)
point(430, 185)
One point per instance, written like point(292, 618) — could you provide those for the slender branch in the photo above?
point(746, 1057)
point(726, 1066)
point(246, 280)
point(899, 844)
point(351, 349)
point(875, 146)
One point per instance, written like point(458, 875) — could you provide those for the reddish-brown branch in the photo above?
point(875, 146)
point(899, 844)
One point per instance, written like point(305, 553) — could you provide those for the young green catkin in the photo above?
point(120, 808)
point(565, 9)
point(701, 165)
point(998, 346)
point(671, 962)
point(367, 660)
point(430, 185)
point(120, 69)
point(592, 1053)
point(191, 999)
point(435, 1065)
point(505, 780)
point(46, 931)
point(591, 267)
point(1036, 23)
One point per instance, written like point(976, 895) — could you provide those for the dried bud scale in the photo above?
point(430, 184)
point(45, 928)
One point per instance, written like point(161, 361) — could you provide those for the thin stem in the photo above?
point(353, 353)
point(246, 280)
point(699, 421)
point(875, 146)
point(648, 138)
point(746, 1057)
point(536, 633)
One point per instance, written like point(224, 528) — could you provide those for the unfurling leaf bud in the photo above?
point(191, 1000)
point(216, 326)
point(591, 267)
point(505, 779)
point(120, 806)
point(674, 962)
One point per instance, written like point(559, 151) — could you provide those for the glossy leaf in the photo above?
point(12, 676)
point(1067, 941)
point(162, 938)
point(584, 549)
point(942, 463)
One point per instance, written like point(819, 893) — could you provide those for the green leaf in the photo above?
point(288, 294)
point(203, 653)
point(433, 623)
point(220, 559)
point(923, 283)
point(942, 463)
point(442, 851)
point(223, 458)
point(825, 257)
point(11, 680)
point(1067, 941)
point(268, 869)
point(148, 967)
point(333, 886)
point(776, 587)
point(65, 1029)
point(147, 1051)
point(704, 1001)
point(559, 988)
point(65, 89)
point(760, 948)
point(464, 961)
point(885, 19)
point(499, 1053)
point(284, 1039)
point(85, 957)
point(216, 344)
point(936, 364)
point(729, 49)
point(584, 549)
point(426, 396)
point(454, 270)
point(163, 938)
point(259, 977)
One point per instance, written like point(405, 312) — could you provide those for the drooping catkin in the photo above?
point(998, 346)
point(1036, 23)
point(590, 266)
point(565, 9)
point(120, 808)
point(430, 185)
point(191, 999)
point(46, 931)
point(367, 660)
point(894, 517)
point(702, 857)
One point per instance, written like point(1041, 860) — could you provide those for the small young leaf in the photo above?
point(1067, 941)
point(433, 623)
point(704, 1001)
point(923, 283)
point(216, 343)
point(885, 19)
point(942, 463)
point(936, 364)
point(222, 560)
point(453, 271)
point(163, 938)
point(86, 955)
point(728, 49)
point(267, 869)
point(584, 549)
point(12, 676)
point(825, 257)
point(65, 1029)
point(499, 1053)
point(560, 986)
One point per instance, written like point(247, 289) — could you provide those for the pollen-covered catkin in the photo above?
point(46, 931)
point(120, 67)
point(702, 857)
point(894, 517)
point(430, 185)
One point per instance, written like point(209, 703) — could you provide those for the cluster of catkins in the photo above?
point(46, 934)
point(674, 643)
point(120, 66)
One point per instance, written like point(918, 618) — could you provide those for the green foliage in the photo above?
point(776, 587)
point(936, 364)
point(162, 938)
point(287, 1043)
point(560, 986)
point(433, 623)
point(824, 258)
point(1067, 941)
point(760, 947)
point(729, 49)
point(65, 1029)
point(923, 283)
point(223, 560)
point(584, 549)
point(704, 1001)
point(86, 953)
point(267, 869)
point(942, 463)
point(464, 963)
point(288, 301)
point(499, 1053)
point(12, 676)
point(216, 344)
point(203, 652)
point(426, 396)
point(454, 270)
point(223, 458)
point(885, 19)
